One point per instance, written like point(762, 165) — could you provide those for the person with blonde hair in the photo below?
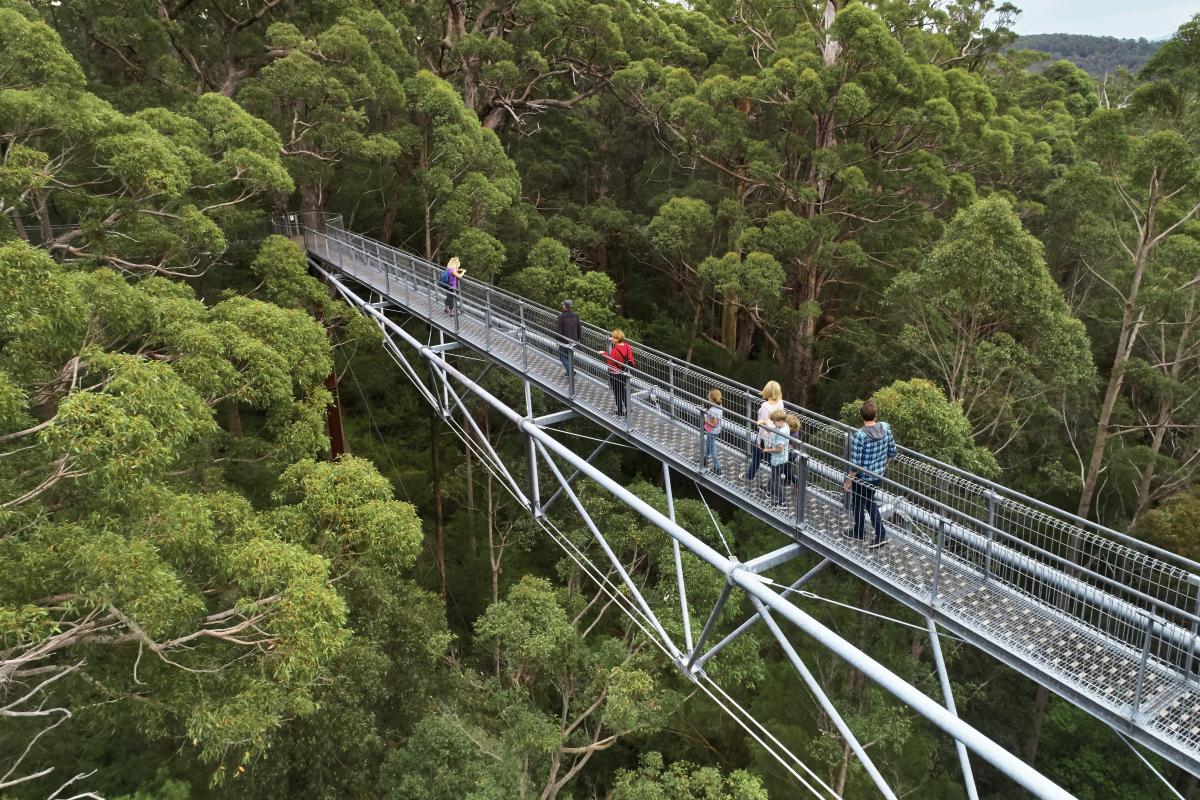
point(772, 395)
point(449, 282)
point(619, 358)
point(712, 426)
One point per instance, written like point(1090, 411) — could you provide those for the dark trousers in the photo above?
point(862, 502)
point(619, 381)
point(756, 458)
point(778, 482)
point(564, 355)
point(450, 293)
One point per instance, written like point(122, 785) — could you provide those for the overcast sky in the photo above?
point(1153, 19)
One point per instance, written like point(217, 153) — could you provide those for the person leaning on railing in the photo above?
point(872, 448)
point(449, 282)
point(619, 358)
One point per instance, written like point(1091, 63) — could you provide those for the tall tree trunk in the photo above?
point(312, 198)
point(839, 788)
point(470, 471)
point(333, 418)
point(43, 216)
point(729, 323)
point(1040, 702)
point(1125, 340)
point(18, 224)
point(439, 526)
point(428, 224)
point(745, 335)
point(1162, 420)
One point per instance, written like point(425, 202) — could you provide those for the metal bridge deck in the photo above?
point(1023, 608)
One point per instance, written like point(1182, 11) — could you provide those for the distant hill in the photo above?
point(1096, 54)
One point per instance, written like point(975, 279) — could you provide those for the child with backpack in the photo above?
point(619, 358)
point(712, 426)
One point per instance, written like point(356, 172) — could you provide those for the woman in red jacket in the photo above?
point(619, 358)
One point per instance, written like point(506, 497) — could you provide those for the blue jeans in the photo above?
point(862, 502)
point(709, 450)
point(564, 355)
point(756, 458)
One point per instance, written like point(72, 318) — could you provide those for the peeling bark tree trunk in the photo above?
point(729, 323)
point(312, 198)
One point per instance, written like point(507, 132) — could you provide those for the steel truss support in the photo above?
point(752, 620)
point(600, 448)
point(948, 693)
point(683, 601)
point(548, 420)
point(535, 499)
point(823, 699)
point(737, 576)
point(449, 392)
point(634, 591)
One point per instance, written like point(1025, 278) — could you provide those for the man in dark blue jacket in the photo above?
point(568, 328)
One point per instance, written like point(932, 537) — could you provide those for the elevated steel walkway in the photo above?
point(1103, 620)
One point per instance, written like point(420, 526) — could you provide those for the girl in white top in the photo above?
point(772, 396)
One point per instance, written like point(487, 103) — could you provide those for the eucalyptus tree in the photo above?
point(982, 315)
point(847, 120)
point(155, 191)
point(1149, 174)
point(561, 676)
point(137, 571)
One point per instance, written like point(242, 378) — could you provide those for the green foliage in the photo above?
point(982, 316)
point(683, 781)
point(890, 199)
point(923, 419)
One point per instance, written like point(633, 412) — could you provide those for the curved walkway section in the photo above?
point(1105, 621)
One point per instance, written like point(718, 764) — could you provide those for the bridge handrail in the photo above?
point(1142, 553)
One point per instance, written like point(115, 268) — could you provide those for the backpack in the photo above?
point(444, 280)
point(625, 353)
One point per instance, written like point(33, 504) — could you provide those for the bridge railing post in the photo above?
point(802, 488)
point(524, 340)
point(1148, 622)
point(752, 440)
point(487, 318)
point(992, 497)
point(1194, 581)
point(460, 293)
point(937, 562)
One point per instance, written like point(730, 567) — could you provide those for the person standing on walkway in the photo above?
point(712, 426)
point(449, 281)
point(619, 358)
point(772, 396)
point(776, 449)
point(568, 328)
point(872, 448)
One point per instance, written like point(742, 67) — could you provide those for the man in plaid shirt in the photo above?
point(870, 451)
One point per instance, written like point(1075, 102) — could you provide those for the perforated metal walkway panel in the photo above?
point(1106, 622)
